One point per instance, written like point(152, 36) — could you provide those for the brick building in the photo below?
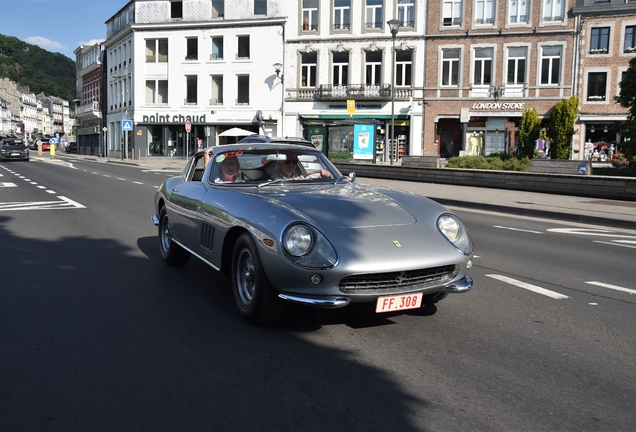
point(487, 63)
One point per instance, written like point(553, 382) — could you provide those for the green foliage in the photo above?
point(627, 99)
point(42, 71)
point(499, 161)
point(340, 156)
point(561, 127)
point(529, 129)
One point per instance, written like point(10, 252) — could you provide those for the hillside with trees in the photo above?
point(42, 71)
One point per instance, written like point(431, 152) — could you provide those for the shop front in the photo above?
point(157, 135)
point(358, 137)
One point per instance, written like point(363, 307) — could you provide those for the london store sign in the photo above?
point(498, 106)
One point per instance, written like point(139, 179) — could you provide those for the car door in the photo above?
point(185, 203)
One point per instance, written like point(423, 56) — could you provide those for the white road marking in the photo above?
point(8, 185)
point(517, 229)
point(41, 187)
point(63, 204)
point(50, 191)
point(70, 201)
point(614, 287)
point(122, 179)
point(590, 232)
point(529, 287)
point(617, 243)
point(105, 175)
point(136, 182)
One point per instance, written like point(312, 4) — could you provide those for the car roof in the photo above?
point(276, 140)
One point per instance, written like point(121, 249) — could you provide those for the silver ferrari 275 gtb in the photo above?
point(284, 225)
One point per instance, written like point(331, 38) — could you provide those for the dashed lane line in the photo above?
point(613, 287)
point(530, 287)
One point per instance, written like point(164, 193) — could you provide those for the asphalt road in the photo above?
point(97, 333)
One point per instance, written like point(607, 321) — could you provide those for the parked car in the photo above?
point(71, 147)
point(323, 241)
point(13, 149)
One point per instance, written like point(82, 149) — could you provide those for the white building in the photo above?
point(206, 62)
point(341, 50)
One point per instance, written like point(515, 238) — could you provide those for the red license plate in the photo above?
point(398, 302)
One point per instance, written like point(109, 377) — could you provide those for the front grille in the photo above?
point(393, 282)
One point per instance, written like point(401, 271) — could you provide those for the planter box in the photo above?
point(560, 166)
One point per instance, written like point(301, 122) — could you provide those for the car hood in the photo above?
point(345, 206)
point(14, 147)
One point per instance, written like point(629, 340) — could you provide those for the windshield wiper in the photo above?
point(271, 182)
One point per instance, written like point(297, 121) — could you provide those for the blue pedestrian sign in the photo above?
point(126, 125)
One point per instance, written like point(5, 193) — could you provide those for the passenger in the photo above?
point(287, 168)
point(227, 169)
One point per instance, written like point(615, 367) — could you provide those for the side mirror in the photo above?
point(352, 177)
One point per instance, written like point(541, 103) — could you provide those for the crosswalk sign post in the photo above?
point(126, 126)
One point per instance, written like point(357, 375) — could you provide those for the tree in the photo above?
point(627, 99)
point(529, 128)
point(561, 127)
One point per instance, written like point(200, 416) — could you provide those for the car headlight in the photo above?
point(455, 232)
point(307, 247)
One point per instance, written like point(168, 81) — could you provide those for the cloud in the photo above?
point(45, 43)
point(91, 42)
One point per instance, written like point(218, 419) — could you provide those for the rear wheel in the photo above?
point(172, 253)
point(254, 295)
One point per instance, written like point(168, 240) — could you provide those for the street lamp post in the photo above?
point(394, 25)
point(123, 114)
point(278, 68)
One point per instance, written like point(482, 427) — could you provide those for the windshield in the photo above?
point(280, 164)
point(8, 143)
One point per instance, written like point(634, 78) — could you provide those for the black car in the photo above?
point(71, 147)
point(13, 148)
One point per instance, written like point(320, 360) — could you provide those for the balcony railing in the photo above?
point(354, 91)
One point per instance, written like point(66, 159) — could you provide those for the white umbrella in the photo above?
point(237, 132)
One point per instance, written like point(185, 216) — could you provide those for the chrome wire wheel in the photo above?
point(245, 277)
point(165, 233)
point(171, 252)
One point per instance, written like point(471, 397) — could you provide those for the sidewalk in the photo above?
point(610, 213)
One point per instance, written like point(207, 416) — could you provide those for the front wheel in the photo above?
point(172, 253)
point(254, 295)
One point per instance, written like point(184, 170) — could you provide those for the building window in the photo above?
point(374, 18)
point(310, 15)
point(342, 15)
point(551, 65)
point(450, 67)
point(406, 12)
point(596, 86)
point(191, 90)
point(156, 91)
point(340, 68)
point(373, 68)
point(192, 48)
point(452, 13)
point(553, 10)
point(260, 7)
point(485, 12)
point(218, 8)
point(156, 50)
point(243, 48)
point(599, 40)
point(403, 68)
point(517, 65)
point(176, 9)
point(309, 62)
point(629, 44)
point(482, 66)
point(216, 97)
point(518, 11)
point(243, 90)
point(217, 48)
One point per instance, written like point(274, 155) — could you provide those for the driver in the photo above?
point(286, 169)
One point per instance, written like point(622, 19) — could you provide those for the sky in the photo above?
point(58, 25)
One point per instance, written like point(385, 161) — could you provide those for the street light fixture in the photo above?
point(394, 25)
point(278, 68)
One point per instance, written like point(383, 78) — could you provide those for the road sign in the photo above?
point(127, 125)
point(53, 141)
point(188, 126)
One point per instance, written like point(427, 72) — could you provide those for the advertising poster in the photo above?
point(363, 140)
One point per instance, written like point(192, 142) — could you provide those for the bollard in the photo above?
point(52, 151)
